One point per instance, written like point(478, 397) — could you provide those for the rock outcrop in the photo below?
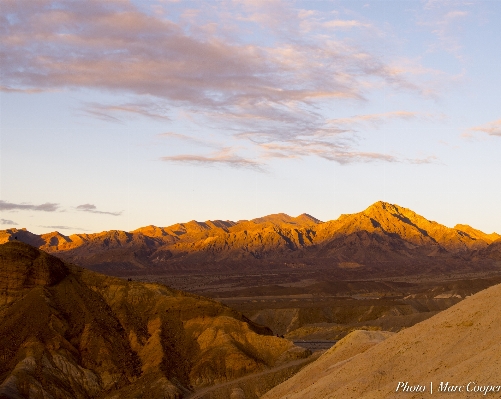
point(69, 332)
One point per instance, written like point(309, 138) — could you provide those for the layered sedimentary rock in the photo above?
point(69, 332)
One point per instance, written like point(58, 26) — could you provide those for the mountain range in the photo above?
point(383, 235)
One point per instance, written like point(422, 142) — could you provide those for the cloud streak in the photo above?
point(374, 119)
point(345, 24)
point(93, 209)
point(491, 128)
point(224, 157)
point(62, 227)
point(340, 152)
point(115, 113)
point(7, 89)
point(186, 138)
point(46, 207)
point(7, 221)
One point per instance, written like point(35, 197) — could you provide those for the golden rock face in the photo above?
point(382, 233)
point(70, 332)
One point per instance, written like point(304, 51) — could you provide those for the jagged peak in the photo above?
point(113, 232)
point(382, 205)
point(54, 233)
point(274, 218)
point(150, 226)
point(222, 224)
point(283, 218)
point(151, 231)
point(477, 234)
point(405, 214)
point(305, 217)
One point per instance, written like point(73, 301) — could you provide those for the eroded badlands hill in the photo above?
point(66, 332)
point(383, 234)
point(459, 345)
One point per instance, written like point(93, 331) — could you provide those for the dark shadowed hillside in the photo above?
point(66, 332)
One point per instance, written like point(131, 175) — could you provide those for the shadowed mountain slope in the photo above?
point(461, 344)
point(383, 234)
point(69, 332)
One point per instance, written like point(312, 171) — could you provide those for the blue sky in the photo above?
point(118, 114)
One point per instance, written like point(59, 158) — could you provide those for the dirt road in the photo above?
point(204, 391)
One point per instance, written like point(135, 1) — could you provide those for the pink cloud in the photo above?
point(491, 128)
point(374, 119)
point(340, 152)
point(224, 157)
point(116, 46)
point(115, 112)
point(264, 93)
point(345, 24)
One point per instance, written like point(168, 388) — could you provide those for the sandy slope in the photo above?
point(353, 344)
point(461, 345)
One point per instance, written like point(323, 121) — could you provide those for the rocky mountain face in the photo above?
point(66, 332)
point(383, 234)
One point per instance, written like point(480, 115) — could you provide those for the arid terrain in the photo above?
point(358, 279)
point(66, 332)
point(460, 346)
point(249, 199)
point(315, 306)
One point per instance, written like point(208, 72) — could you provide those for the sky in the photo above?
point(122, 114)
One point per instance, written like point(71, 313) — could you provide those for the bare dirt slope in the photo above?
point(353, 344)
point(459, 345)
point(66, 332)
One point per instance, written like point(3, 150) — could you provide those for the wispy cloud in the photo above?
point(189, 139)
point(7, 89)
point(345, 24)
point(268, 91)
point(491, 128)
point(339, 152)
point(63, 228)
point(374, 119)
point(7, 221)
point(10, 206)
point(224, 156)
point(93, 209)
point(444, 18)
point(431, 159)
point(146, 54)
point(115, 113)
point(334, 141)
